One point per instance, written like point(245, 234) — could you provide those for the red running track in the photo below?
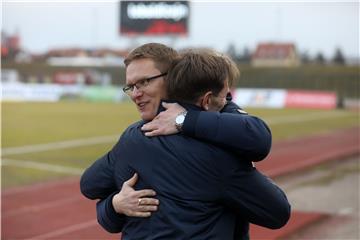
point(298, 154)
point(57, 210)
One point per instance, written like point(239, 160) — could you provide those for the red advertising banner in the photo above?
point(310, 99)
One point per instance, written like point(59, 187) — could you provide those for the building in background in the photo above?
point(10, 45)
point(275, 55)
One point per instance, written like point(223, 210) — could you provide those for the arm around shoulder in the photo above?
point(247, 136)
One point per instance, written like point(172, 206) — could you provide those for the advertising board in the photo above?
point(159, 18)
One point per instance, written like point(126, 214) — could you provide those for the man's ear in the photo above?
point(206, 100)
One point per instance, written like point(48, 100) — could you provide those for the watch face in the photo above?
point(180, 119)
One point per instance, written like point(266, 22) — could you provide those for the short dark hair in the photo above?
point(197, 71)
point(162, 55)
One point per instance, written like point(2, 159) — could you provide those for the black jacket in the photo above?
point(202, 188)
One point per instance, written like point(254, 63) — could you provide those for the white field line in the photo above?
point(91, 141)
point(65, 230)
point(304, 117)
point(58, 145)
point(112, 138)
point(41, 166)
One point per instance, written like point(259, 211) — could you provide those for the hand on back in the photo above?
point(134, 203)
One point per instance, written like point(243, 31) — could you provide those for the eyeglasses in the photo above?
point(141, 84)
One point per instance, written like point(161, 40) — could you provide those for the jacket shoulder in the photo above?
point(232, 107)
point(133, 127)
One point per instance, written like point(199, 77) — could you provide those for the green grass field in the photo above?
point(26, 124)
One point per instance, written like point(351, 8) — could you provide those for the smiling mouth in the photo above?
point(141, 105)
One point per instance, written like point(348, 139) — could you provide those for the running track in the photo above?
point(57, 210)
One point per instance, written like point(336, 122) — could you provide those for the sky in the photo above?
point(313, 27)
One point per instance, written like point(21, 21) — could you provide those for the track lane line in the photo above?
point(43, 186)
point(65, 230)
point(41, 206)
point(41, 166)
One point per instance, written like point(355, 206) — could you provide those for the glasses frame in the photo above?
point(128, 89)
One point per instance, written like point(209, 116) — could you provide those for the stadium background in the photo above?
point(55, 140)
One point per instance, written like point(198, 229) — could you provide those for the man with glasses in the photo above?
point(246, 136)
point(205, 192)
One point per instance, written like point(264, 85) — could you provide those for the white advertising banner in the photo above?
point(36, 92)
point(259, 97)
point(30, 92)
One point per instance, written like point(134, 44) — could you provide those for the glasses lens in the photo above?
point(141, 84)
point(128, 90)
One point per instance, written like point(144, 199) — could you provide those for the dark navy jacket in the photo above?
point(233, 129)
point(201, 188)
point(244, 135)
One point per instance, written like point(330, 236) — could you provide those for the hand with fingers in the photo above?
point(164, 122)
point(135, 203)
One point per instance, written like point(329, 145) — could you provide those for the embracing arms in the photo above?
point(98, 182)
point(251, 195)
point(112, 211)
point(247, 136)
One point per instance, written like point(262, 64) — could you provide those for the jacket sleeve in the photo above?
point(256, 198)
point(107, 217)
point(247, 136)
point(97, 182)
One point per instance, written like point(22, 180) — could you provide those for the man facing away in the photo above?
point(146, 66)
point(205, 192)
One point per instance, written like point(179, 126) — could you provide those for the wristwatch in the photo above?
point(179, 120)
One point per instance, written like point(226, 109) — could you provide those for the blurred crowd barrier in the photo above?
point(245, 97)
point(55, 92)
